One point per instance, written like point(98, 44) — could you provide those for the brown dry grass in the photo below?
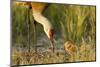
point(85, 52)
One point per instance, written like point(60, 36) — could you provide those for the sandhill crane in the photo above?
point(71, 48)
point(37, 10)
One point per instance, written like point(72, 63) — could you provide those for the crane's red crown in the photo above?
point(51, 33)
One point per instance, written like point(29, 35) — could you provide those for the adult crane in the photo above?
point(37, 12)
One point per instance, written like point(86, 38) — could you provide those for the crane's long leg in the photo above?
point(35, 38)
point(35, 41)
point(29, 36)
point(52, 45)
point(28, 28)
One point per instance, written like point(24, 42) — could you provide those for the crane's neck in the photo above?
point(44, 21)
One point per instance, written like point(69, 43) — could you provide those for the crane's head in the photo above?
point(51, 33)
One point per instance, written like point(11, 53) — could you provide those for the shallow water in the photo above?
point(42, 44)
